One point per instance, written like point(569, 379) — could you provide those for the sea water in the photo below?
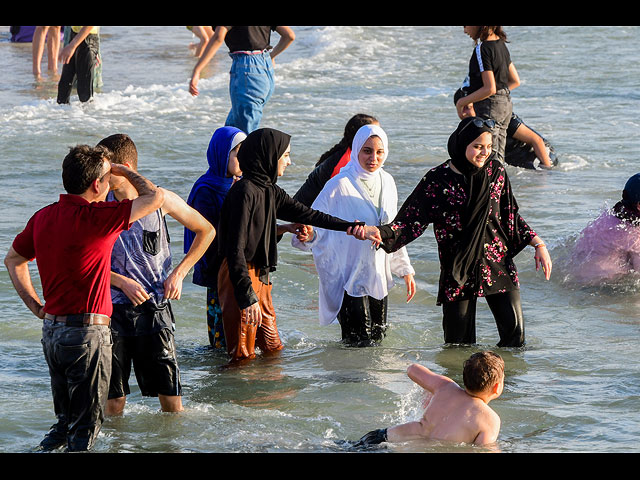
point(573, 388)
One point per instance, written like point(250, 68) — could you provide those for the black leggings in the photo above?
point(459, 319)
point(363, 320)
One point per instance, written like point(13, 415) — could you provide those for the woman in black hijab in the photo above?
point(247, 236)
point(479, 231)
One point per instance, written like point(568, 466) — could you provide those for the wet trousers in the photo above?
point(79, 360)
point(215, 329)
point(80, 68)
point(363, 320)
point(459, 319)
point(241, 335)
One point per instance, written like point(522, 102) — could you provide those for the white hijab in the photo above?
point(343, 262)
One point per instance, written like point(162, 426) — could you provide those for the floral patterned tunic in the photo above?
point(441, 199)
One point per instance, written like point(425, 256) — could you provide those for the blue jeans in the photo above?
point(250, 87)
point(79, 360)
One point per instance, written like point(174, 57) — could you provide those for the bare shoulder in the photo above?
point(488, 424)
point(175, 206)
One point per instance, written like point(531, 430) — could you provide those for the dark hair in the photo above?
point(123, 149)
point(484, 32)
point(83, 165)
point(482, 370)
point(350, 130)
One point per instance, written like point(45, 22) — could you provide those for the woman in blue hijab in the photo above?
point(207, 195)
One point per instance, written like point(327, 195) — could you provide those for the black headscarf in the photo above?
point(475, 218)
point(259, 156)
point(627, 208)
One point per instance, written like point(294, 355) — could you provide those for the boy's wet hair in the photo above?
point(123, 149)
point(482, 370)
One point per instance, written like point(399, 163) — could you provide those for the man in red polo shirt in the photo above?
point(72, 241)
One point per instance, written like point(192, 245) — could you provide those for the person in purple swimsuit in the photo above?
point(608, 249)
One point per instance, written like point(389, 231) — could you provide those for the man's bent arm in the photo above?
point(204, 235)
point(150, 196)
point(18, 268)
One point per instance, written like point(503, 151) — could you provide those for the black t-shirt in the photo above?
point(490, 55)
point(244, 38)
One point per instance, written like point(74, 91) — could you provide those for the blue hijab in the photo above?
point(208, 192)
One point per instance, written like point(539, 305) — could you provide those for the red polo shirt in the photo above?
point(71, 241)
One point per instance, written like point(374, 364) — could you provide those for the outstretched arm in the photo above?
point(426, 378)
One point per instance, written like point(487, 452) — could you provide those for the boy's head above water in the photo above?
point(483, 372)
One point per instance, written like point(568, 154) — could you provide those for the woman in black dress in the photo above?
point(247, 242)
point(479, 231)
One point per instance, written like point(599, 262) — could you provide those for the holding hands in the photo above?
point(366, 232)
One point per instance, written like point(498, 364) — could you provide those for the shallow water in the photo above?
point(573, 388)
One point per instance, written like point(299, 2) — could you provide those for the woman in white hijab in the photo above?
point(355, 278)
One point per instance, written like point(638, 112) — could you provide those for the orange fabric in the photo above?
point(342, 162)
point(242, 337)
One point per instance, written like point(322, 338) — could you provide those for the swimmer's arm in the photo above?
point(426, 378)
point(634, 258)
point(18, 268)
point(190, 218)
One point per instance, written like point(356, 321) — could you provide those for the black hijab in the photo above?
point(475, 216)
point(254, 200)
point(259, 156)
point(627, 208)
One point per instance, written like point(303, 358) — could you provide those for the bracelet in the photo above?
point(538, 245)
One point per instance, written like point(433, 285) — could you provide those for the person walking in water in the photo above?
point(252, 80)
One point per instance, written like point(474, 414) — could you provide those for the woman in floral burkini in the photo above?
point(479, 231)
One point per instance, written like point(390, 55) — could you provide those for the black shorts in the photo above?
point(154, 362)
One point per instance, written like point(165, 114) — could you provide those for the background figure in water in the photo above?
point(608, 249)
point(525, 147)
point(252, 79)
point(332, 161)
point(206, 196)
point(492, 76)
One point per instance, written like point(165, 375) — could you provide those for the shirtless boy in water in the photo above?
point(453, 414)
